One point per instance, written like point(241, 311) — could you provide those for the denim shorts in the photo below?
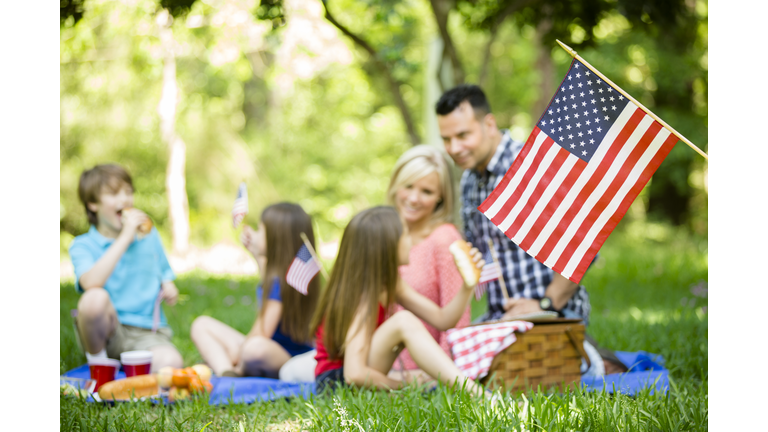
point(331, 378)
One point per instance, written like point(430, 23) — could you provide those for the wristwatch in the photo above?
point(545, 303)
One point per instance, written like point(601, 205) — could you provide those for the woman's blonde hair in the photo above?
point(418, 162)
point(367, 264)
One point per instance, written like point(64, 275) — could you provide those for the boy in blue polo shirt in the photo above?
point(122, 275)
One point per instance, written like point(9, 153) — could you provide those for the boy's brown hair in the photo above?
point(95, 179)
point(284, 222)
point(367, 265)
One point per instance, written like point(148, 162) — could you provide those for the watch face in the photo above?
point(545, 303)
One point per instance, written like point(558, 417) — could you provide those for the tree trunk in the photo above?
point(547, 70)
point(441, 9)
point(498, 20)
point(384, 68)
point(175, 176)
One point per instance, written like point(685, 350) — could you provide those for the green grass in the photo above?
point(646, 294)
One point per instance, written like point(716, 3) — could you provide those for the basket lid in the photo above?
point(544, 317)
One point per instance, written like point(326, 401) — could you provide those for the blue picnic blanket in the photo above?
point(646, 370)
point(228, 390)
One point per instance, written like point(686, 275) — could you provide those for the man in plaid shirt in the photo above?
point(474, 141)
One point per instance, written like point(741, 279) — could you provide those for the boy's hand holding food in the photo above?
point(136, 221)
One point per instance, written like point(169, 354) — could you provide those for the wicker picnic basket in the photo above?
point(548, 355)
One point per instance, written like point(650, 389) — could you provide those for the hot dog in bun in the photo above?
point(469, 271)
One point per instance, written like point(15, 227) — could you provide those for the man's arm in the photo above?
point(97, 276)
point(560, 290)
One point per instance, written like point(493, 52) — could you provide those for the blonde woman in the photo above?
point(421, 189)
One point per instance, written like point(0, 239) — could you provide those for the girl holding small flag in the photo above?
point(281, 329)
point(356, 342)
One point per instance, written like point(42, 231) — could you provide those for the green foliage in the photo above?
point(70, 12)
point(560, 18)
point(328, 139)
point(177, 8)
point(235, 123)
point(273, 11)
point(106, 110)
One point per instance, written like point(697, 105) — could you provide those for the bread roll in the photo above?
point(136, 386)
point(145, 226)
point(469, 271)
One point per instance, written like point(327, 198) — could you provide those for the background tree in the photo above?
point(175, 175)
point(396, 25)
point(273, 94)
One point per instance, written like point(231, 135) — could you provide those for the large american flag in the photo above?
point(588, 158)
point(240, 209)
point(303, 268)
point(490, 272)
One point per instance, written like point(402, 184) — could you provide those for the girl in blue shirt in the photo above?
point(281, 329)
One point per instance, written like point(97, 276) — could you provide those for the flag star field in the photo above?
point(582, 111)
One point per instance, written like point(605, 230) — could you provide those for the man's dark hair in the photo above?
point(471, 93)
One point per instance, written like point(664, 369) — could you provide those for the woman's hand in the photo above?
point(478, 261)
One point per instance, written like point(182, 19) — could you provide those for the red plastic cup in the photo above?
point(136, 362)
point(103, 370)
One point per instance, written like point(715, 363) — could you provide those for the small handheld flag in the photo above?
point(490, 272)
point(240, 209)
point(589, 156)
point(301, 271)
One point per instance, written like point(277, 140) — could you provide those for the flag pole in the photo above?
point(314, 255)
point(501, 274)
point(573, 54)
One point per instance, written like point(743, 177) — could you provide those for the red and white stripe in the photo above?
point(240, 208)
point(473, 348)
point(561, 209)
point(489, 273)
point(300, 273)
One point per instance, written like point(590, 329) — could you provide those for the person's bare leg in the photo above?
point(404, 328)
point(262, 357)
point(410, 375)
point(96, 319)
point(165, 355)
point(218, 343)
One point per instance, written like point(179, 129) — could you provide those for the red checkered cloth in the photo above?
point(474, 347)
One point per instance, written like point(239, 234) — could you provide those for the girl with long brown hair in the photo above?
point(281, 329)
point(356, 342)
